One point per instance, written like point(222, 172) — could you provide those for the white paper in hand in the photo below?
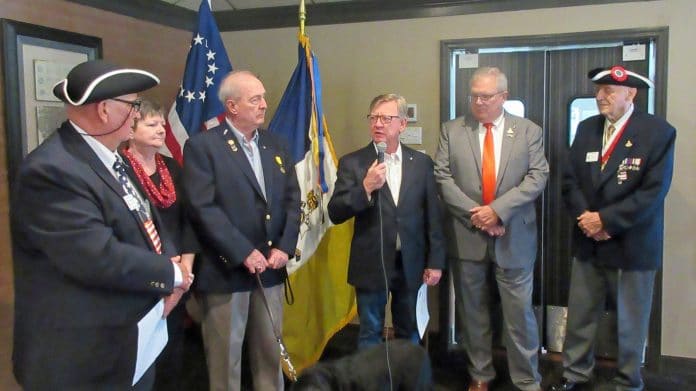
point(152, 337)
point(422, 314)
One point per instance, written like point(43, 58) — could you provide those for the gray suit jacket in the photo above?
point(521, 178)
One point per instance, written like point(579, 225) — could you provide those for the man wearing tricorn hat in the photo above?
point(89, 261)
point(617, 176)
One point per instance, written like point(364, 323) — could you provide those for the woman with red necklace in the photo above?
point(159, 177)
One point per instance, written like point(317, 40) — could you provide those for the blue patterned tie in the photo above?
point(142, 213)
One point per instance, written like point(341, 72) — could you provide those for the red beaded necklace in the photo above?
point(165, 195)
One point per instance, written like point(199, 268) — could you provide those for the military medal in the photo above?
point(232, 144)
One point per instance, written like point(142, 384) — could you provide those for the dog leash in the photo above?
point(283, 351)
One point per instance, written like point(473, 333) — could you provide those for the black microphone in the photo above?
point(381, 147)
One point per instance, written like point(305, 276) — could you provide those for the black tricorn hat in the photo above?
point(618, 75)
point(96, 80)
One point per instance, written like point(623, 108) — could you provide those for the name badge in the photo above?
point(592, 157)
point(131, 201)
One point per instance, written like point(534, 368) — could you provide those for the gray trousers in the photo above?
point(519, 323)
point(631, 290)
point(226, 319)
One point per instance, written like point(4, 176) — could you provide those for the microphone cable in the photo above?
point(381, 148)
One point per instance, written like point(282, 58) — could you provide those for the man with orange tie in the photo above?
point(490, 168)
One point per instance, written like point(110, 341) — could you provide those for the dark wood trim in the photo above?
point(661, 37)
point(326, 13)
point(148, 10)
point(11, 30)
point(670, 365)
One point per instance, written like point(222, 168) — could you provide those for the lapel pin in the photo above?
point(510, 132)
point(233, 146)
point(279, 161)
point(629, 144)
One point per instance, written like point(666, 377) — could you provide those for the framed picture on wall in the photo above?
point(34, 59)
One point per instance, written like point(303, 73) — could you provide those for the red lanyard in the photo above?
point(607, 154)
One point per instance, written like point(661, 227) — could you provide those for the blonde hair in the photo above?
point(400, 103)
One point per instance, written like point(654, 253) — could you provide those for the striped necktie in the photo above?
point(605, 141)
point(144, 216)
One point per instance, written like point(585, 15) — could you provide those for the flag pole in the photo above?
point(303, 16)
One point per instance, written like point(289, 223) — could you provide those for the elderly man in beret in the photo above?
point(614, 185)
point(89, 261)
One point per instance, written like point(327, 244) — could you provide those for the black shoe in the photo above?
point(566, 385)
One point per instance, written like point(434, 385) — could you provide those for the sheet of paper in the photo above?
point(422, 314)
point(152, 337)
point(468, 60)
point(634, 52)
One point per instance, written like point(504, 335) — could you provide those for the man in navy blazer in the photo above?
point(86, 270)
point(397, 242)
point(244, 200)
point(618, 173)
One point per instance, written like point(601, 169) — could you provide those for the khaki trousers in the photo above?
point(226, 319)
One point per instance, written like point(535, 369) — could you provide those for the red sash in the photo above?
point(612, 146)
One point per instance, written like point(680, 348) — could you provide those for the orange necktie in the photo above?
point(488, 166)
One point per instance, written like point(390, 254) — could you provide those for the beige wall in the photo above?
point(361, 60)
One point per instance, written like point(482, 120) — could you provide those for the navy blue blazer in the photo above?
point(228, 210)
point(629, 193)
point(417, 219)
point(85, 271)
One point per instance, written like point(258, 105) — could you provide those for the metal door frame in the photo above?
point(660, 35)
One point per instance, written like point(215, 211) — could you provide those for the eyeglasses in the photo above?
point(386, 119)
point(484, 98)
point(133, 103)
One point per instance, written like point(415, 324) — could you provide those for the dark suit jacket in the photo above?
point(629, 193)
point(229, 212)
point(85, 270)
point(416, 219)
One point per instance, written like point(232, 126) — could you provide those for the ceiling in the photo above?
point(235, 15)
point(231, 5)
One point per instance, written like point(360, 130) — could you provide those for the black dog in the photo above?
point(366, 370)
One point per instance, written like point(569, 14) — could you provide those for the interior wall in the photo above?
point(127, 41)
point(361, 60)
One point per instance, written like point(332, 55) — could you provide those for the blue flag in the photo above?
point(320, 266)
point(300, 120)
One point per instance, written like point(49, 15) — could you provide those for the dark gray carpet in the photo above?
point(449, 371)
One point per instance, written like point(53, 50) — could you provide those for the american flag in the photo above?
point(197, 106)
